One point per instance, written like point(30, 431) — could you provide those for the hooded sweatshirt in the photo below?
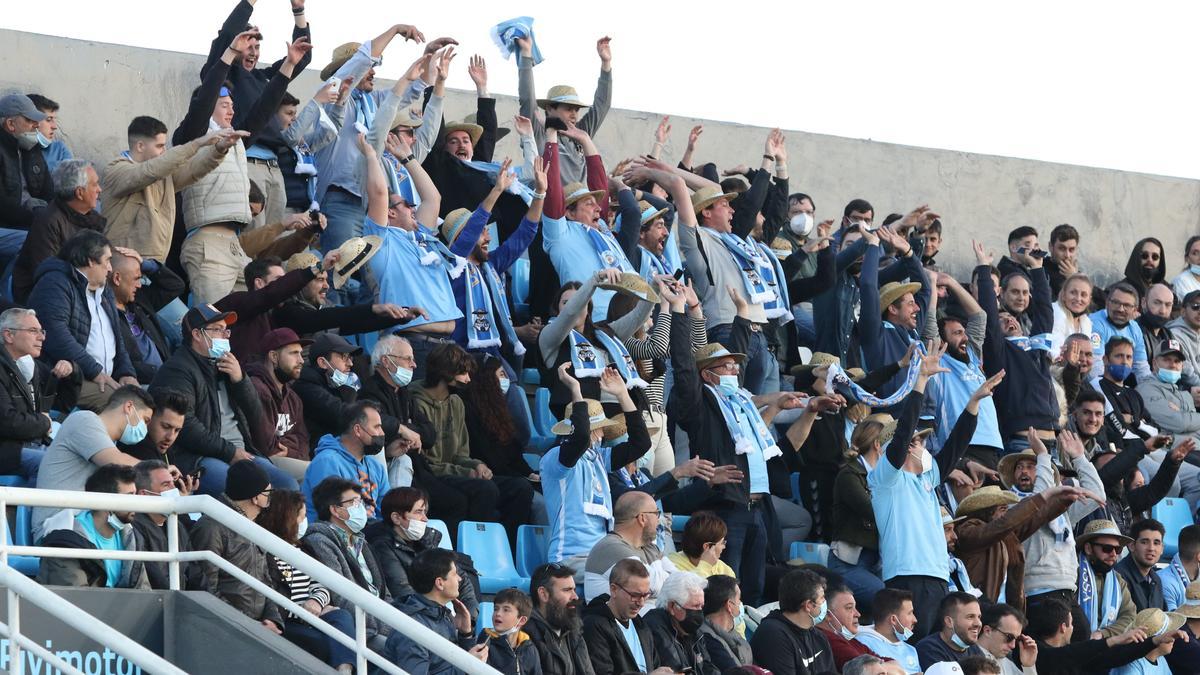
point(331, 458)
point(1133, 268)
point(281, 427)
point(504, 657)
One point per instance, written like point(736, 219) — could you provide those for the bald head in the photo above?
point(123, 263)
point(126, 278)
point(1159, 301)
point(631, 504)
point(636, 516)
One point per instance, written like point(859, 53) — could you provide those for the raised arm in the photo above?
point(375, 183)
point(234, 24)
point(591, 121)
point(526, 92)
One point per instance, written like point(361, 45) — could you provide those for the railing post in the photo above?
point(4, 533)
point(360, 637)
point(173, 549)
point(14, 629)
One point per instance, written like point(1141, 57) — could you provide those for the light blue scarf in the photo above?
point(434, 252)
point(585, 361)
point(505, 35)
point(481, 330)
point(619, 356)
point(778, 307)
point(838, 376)
point(652, 264)
point(607, 249)
point(1100, 611)
point(1035, 342)
point(750, 264)
point(366, 108)
point(760, 436)
point(519, 187)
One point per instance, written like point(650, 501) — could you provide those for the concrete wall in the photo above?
point(101, 86)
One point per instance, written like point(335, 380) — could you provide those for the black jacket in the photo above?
point(22, 406)
point(154, 538)
point(606, 644)
point(307, 320)
point(394, 556)
point(1089, 657)
point(673, 649)
point(396, 407)
point(198, 377)
point(561, 653)
point(19, 166)
point(325, 404)
point(784, 648)
point(164, 287)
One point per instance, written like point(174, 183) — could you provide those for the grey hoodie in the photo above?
point(1052, 565)
point(1190, 340)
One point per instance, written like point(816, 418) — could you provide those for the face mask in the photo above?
point(25, 365)
point(339, 378)
point(357, 518)
point(27, 140)
point(401, 376)
point(819, 617)
point(375, 445)
point(729, 385)
point(42, 140)
point(415, 529)
point(926, 459)
point(958, 642)
point(904, 634)
point(801, 224)
point(1194, 269)
point(1153, 320)
point(134, 433)
point(504, 385)
point(219, 348)
point(1169, 376)
point(114, 522)
point(1118, 371)
point(845, 633)
point(692, 620)
point(510, 631)
point(302, 528)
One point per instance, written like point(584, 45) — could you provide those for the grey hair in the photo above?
point(144, 470)
point(858, 665)
point(679, 588)
point(11, 318)
point(384, 346)
point(70, 175)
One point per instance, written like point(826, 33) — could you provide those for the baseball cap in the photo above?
point(202, 315)
point(1171, 345)
point(332, 343)
point(13, 105)
point(281, 337)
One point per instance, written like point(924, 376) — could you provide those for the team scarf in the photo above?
point(481, 328)
point(779, 307)
point(505, 35)
point(1039, 342)
point(595, 478)
point(1060, 526)
point(838, 378)
point(619, 356)
point(434, 252)
point(960, 580)
point(366, 108)
point(1176, 568)
point(520, 187)
point(761, 439)
point(585, 361)
point(1100, 611)
point(653, 265)
point(607, 249)
point(750, 263)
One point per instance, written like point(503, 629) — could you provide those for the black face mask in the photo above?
point(1153, 320)
point(375, 445)
point(692, 621)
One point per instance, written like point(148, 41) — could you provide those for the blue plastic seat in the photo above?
point(1175, 515)
point(539, 440)
point(520, 287)
point(795, 486)
point(13, 481)
point(679, 522)
point(531, 377)
point(440, 526)
point(810, 552)
point(542, 417)
point(485, 617)
point(487, 544)
point(532, 544)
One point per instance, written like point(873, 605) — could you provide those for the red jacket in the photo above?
point(845, 650)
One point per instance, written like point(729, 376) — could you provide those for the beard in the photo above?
point(1099, 566)
point(564, 617)
point(958, 352)
point(1148, 273)
point(480, 253)
point(284, 376)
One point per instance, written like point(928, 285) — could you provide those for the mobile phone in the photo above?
point(314, 220)
point(198, 472)
point(679, 274)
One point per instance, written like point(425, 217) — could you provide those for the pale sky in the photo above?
point(1102, 84)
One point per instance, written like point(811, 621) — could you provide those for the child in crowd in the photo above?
point(510, 650)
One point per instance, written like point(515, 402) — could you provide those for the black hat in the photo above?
point(245, 480)
point(332, 343)
point(1169, 346)
point(202, 315)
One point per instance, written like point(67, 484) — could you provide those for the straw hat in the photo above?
point(1157, 622)
point(577, 191)
point(1008, 465)
point(619, 428)
point(596, 419)
point(889, 429)
point(354, 253)
point(713, 352)
point(1191, 603)
point(855, 374)
point(818, 359)
point(453, 224)
point(948, 519)
point(707, 196)
point(1102, 528)
point(341, 54)
point(302, 261)
point(893, 291)
point(409, 117)
point(561, 94)
point(649, 213)
point(632, 284)
point(985, 498)
point(473, 130)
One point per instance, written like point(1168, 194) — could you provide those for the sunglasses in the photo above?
point(1195, 307)
point(1108, 549)
point(1149, 255)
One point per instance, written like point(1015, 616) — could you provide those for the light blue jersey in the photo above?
point(578, 502)
point(410, 275)
point(911, 540)
point(575, 258)
point(947, 396)
point(900, 652)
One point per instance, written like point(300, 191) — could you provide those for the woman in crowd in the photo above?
point(1189, 279)
point(285, 518)
point(490, 425)
point(703, 543)
point(855, 548)
point(1071, 310)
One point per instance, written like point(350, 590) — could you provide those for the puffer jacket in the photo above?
point(222, 196)
point(17, 166)
point(394, 556)
point(210, 535)
point(52, 228)
point(60, 298)
point(64, 531)
point(325, 544)
point(561, 653)
point(415, 658)
point(520, 660)
point(21, 410)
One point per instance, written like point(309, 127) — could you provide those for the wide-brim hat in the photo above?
point(473, 130)
point(409, 117)
point(355, 252)
point(713, 352)
point(893, 291)
point(596, 419)
point(453, 224)
point(576, 191)
point(1191, 601)
point(948, 519)
point(818, 359)
point(302, 261)
point(1157, 622)
point(501, 132)
point(1102, 528)
point(985, 498)
point(1008, 465)
point(632, 284)
point(649, 213)
point(889, 431)
point(341, 54)
point(562, 94)
point(707, 196)
point(619, 428)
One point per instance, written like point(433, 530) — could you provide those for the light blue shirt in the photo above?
point(112, 568)
point(1174, 587)
point(404, 280)
point(577, 500)
point(575, 259)
point(911, 540)
point(635, 645)
point(257, 151)
point(102, 341)
point(1103, 330)
point(900, 652)
point(947, 396)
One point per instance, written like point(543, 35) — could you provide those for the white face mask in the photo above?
point(302, 528)
point(25, 365)
point(416, 529)
point(802, 224)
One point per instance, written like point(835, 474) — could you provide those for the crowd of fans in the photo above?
point(320, 309)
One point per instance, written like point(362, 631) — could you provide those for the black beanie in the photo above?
point(245, 480)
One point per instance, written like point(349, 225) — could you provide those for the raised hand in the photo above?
point(694, 136)
point(931, 363)
point(506, 177)
point(982, 257)
point(540, 182)
point(442, 63)
point(603, 50)
point(774, 143)
point(612, 383)
point(410, 33)
point(568, 381)
point(663, 131)
point(416, 68)
point(919, 218)
point(242, 41)
point(985, 390)
point(897, 241)
point(695, 468)
point(1180, 451)
point(526, 46)
point(608, 275)
point(296, 50)
point(736, 297)
point(576, 134)
point(1069, 443)
point(523, 126)
point(477, 69)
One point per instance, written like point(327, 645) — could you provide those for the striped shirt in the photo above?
point(301, 587)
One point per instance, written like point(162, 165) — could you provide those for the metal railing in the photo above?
point(364, 602)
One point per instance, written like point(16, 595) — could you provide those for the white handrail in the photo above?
point(211, 508)
point(83, 622)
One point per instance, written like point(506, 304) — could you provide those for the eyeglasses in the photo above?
point(652, 513)
point(398, 203)
point(1122, 305)
point(1108, 549)
point(727, 367)
point(33, 331)
point(1008, 637)
point(223, 332)
point(352, 503)
point(636, 597)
